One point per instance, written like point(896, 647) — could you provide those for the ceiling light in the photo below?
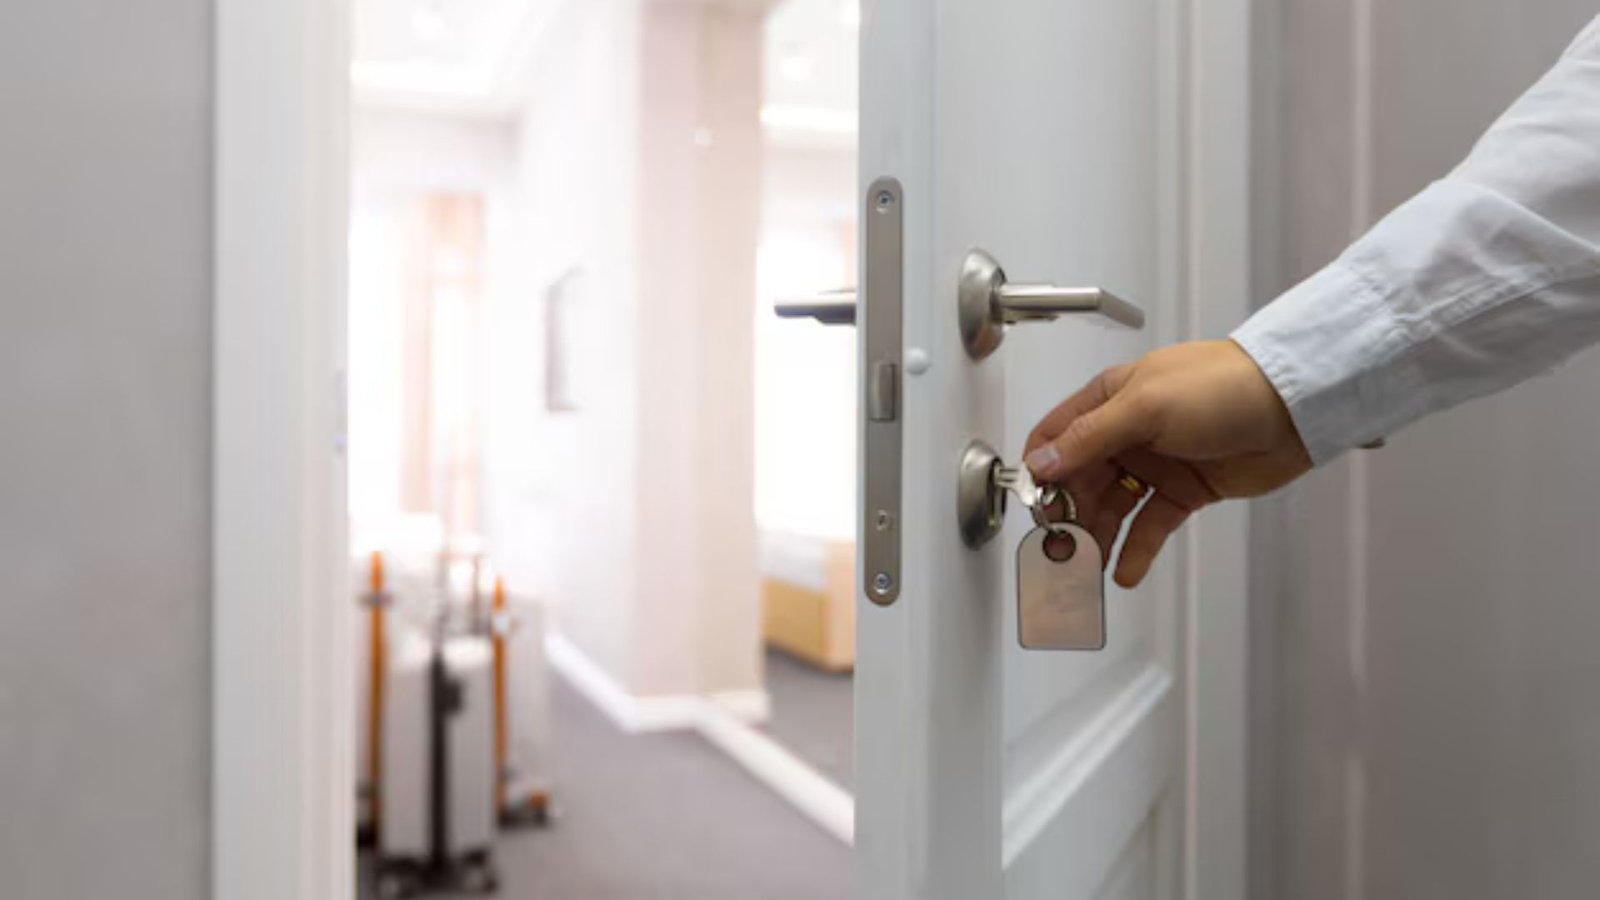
point(427, 21)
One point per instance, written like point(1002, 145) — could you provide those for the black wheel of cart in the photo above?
point(480, 878)
point(395, 886)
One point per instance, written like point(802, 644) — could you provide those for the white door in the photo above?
point(1060, 136)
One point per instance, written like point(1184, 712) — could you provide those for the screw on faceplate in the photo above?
point(884, 521)
point(882, 582)
point(885, 199)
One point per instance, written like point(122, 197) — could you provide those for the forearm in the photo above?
point(1489, 276)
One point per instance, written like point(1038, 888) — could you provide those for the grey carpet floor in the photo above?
point(661, 817)
point(813, 716)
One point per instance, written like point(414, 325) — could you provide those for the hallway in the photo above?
point(660, 817)
point(813, 715)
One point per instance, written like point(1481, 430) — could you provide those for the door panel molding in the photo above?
point(1073, 721)
point(1119, 739)
point(1065, 862)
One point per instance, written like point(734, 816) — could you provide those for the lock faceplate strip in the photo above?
point(882, 390)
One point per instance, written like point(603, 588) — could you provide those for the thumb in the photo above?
point(1097, 435)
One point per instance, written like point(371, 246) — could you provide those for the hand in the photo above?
point(1198, 422)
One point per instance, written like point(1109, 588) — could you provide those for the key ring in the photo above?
point(1048, 495)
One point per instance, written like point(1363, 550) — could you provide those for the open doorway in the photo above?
point(806, 383)
point(601, 502)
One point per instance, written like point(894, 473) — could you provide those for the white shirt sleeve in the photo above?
point(1486, 278)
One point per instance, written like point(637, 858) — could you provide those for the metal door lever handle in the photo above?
point(989, 302)
point(828, 307)
point(1043, 302)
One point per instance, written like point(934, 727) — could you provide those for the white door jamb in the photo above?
point(282, 759)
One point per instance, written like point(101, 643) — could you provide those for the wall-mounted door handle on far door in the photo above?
point(989, 302)
point(836, 307)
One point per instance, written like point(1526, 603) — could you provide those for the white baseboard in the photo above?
point(723, 719)
point(638, 715)
point(822, 801)
point(634, 715)
point(753, 706)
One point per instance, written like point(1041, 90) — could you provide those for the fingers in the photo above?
point(1086, 485)
point(1090, 397)
point(1094, 394)
point(1151, 527)
point(1177, 480)
point(1090, 426)
point(1111, 507)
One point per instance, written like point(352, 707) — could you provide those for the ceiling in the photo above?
point(458, 56)
point(449, 34)
point(464, 56)
point(811, 66)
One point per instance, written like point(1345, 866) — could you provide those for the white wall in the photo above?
point(403, 151)
point(700, 188)
point(105, 473)
point(561, 488)
point(638, 166)
point(1430, 626)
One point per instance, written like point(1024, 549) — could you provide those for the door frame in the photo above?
point(1222, 109)
point(282, 660)
point(282, 753)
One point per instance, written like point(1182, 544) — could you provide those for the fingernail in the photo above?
point(1043, 461)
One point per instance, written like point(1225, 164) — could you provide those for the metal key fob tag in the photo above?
point(1061, 600)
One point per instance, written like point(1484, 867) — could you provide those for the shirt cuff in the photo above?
point(1314, 344)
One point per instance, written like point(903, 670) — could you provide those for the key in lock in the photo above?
point(1060, 583)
